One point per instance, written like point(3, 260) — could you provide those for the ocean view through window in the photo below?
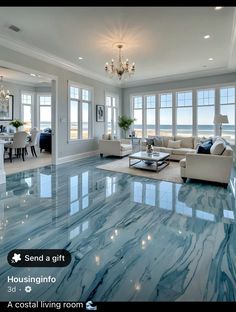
point(185, 113)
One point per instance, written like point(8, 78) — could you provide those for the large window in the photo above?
point(26, 105)
point(205, 112)
point(111, 115)
point(80, 104)
point(150, 106)
point(138, 115)
point(227, 107)
point(184, 113)
point(45, 114)
point(165, 114)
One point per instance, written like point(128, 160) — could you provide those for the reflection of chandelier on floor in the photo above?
point(4, 93)
point(122, 69)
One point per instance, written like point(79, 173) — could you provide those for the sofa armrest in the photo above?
point(125, 141)
point(111, 147)
point(208, 167)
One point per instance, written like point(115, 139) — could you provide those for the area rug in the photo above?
point(170, 173)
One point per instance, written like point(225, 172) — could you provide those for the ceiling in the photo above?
point(23, 78)
point(165, 43)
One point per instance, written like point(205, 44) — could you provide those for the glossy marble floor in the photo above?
point(131, 238)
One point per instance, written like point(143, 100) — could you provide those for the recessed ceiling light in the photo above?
point(210, 59)
point(33, 75)
point(207, 36)
point(80, 58)
point(218, 8)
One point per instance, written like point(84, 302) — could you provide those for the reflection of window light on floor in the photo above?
point(74, 207)
point(205, 215)
point(29, 181)
point(85, 186)
point(74, 188)
point(110, 186)
point(85, 226)
point(138, 191)
point(150, 196)
point(184, 210)
point(45, 185)
point(228, 214)
point(75, 232)
point(85, 202)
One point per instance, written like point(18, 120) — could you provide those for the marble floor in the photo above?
point(131, 238)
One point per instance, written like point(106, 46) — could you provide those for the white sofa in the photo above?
point(115, 147)
point(208, 167)
point(188, 145)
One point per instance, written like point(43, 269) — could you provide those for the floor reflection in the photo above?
point(131, 238)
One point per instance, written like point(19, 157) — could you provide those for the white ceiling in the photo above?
point(23, 78)
point(165, 43)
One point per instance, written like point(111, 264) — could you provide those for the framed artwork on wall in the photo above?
point(6, 109)
point(100, 113)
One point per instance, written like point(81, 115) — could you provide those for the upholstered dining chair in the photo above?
point(18, 143)
point(33, 142)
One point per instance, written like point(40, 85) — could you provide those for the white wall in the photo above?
point(63, 75)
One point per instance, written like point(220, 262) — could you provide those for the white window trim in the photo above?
point(32, 94)
point(38, 106)
point(194, 90)
point(117, 99)
point(71, 83)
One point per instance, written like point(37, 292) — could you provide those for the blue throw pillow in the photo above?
point(204, 148)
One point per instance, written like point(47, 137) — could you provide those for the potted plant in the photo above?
point(125, 122)
point(17, 123)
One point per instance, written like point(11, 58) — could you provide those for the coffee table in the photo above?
point(154, 162)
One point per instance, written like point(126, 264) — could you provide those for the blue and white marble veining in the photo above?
point(131, 238)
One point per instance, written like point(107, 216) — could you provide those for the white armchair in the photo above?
point(115, 147)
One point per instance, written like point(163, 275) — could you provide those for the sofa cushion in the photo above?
point(174, 144)
point(106, 136)
point(183, 163)
point(218, 147)
point(158, 141)
point(183, 151)
point(166, 139)
point(228, 151)
point(185, 141)
point(166, 150)
point(204, 148)
point(125, 147)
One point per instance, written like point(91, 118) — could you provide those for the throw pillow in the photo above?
point(218, 147)
point(174, 144)
point(204, 148)
point(158, 141)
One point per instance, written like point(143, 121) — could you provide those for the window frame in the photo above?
point(44, 94)
point(80, 103)
point(113, 108)
point(32, 94)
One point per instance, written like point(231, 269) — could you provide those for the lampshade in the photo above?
point(220, 119)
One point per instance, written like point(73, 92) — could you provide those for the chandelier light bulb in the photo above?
point(122, 68)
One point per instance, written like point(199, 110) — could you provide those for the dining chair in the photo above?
point(18, 143)
point(32, 142)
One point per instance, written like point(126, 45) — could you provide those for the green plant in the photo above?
point(125, 122)
point(17, 123)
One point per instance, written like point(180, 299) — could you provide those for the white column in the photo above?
point(2, 170)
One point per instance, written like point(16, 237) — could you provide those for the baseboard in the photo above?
point(66, 159)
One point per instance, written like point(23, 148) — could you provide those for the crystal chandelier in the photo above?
point(4, 93)
point(121, 69)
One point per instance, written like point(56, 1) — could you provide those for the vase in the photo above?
point(149, 149)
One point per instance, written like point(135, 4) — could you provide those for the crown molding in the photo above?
point(176, 77)
point(42, 55)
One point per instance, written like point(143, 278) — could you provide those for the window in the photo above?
point(138, 115)
point(205, 112)
point(227, 107)
point(150, 101)
point(45, 114)
point(165, 113)
point(26, 104)
point(111, 115)
point(80, 104)
point(184, 113)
